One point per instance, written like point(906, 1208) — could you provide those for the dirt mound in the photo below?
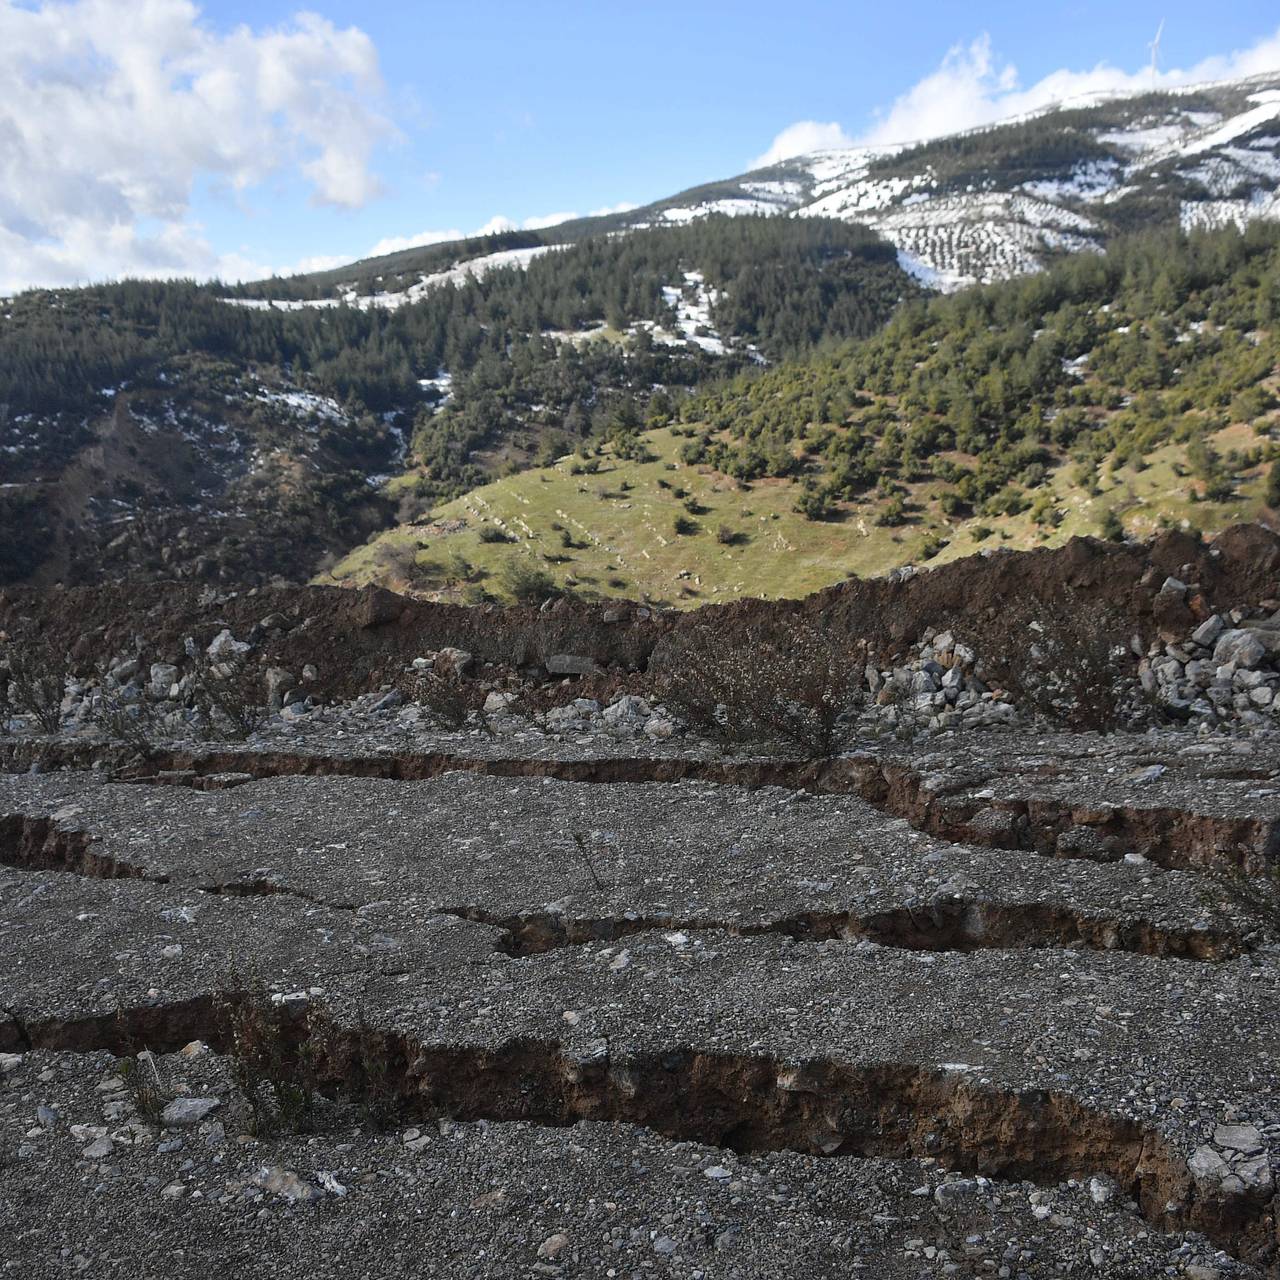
point(1088, 587)
point(985, 596)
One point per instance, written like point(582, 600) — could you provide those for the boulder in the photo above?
point(1244, 646)
point(278, 682)
point(183, 1113)
point(451, 661)
point(571, 664)
point(163, 677)
point(225, 647)
point(1207, 632)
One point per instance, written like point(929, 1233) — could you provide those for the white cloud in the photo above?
point(548, 220)
point(114, 109)
point(972, 86)
point(800, 139)
point(623, 206)
point(496, 225)
point(393, 244)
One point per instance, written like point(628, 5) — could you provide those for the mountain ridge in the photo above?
point(1027, 228)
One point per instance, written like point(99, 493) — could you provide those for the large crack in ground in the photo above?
point(1169, 836)
point(957, 924)
point(743, 1102)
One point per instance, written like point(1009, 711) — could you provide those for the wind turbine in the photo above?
point(1154, 46)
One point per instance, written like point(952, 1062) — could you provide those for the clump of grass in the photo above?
point(373, 1061)
point(143, 1077)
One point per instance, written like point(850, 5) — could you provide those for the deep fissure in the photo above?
point(952, 925)
point(1168, 836)
point(743, 1102)
point(949, 925)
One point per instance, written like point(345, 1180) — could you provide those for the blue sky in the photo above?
point(438, 117)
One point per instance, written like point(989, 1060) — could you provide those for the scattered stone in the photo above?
point(553, 1246)
point(287, 1184)
point(570, 664)
point(183, 1113)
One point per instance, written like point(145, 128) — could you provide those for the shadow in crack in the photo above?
point(741, 1101)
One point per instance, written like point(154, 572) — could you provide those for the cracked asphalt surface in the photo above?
point(626, 1023)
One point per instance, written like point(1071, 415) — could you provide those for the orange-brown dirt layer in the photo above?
point(357, 638)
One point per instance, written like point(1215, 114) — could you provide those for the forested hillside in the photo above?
point(236, 434)
point(1097, 362)
point(298, 407)
point(1113, 394)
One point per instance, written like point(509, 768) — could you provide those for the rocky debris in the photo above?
point(1235, 1163)
point(1225, 672)
point(939, 685)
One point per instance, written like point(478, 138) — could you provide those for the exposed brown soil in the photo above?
point(740, 1102)
point(1168, 836)
point(358, 638)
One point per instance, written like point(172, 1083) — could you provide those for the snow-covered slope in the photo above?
point(972, 207)
point(996, 202)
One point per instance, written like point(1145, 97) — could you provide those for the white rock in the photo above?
point(286, 1184)
point(224, 645)
point(182, 1113)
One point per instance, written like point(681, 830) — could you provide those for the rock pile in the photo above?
point(1226, 671)
point(941, 685)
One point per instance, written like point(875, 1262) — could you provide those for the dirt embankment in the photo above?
point(356, 638)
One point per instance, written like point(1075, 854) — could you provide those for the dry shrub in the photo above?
point(782, 681)
point(1062, 662)
point(275, 1061)
point(37, 680)
point(446, 696)
point(134, 722)
point(228, 695)
point(450, 700)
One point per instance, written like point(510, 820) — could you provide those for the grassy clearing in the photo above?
point(613, 532)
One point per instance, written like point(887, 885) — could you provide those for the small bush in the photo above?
point(274, 1062)
point(134, 722)
point(783, 682)
point(1078, 673)
point(526, 583)
point(447, 697)
point(683, 526)
point(1112, 526)
point(228, 696)
point(815, 504)
point(933, 543)
point(37, 681)
point(491, 533)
